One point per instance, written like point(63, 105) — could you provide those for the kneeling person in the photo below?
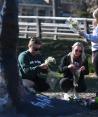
point(74, 66)
point(31, 65)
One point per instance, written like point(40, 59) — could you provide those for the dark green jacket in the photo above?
point(29, 65)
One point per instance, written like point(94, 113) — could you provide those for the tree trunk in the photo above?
point(8, 42)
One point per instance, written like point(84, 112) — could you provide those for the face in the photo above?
point(35, 49)
point(77, 51)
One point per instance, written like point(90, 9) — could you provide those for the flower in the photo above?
point(74, 24)
point(52, 76)
point(50, 60)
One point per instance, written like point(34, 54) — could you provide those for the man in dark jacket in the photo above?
point(31, 64)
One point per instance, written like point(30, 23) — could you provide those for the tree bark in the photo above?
point(8, 43)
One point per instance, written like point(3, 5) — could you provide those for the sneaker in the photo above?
point(66, 97)
point(76, 95)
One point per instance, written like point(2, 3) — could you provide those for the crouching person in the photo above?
point(31, 65)
point(74, 66)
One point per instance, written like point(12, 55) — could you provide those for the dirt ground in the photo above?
point(93, 113)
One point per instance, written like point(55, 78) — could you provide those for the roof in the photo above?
point(32, 1)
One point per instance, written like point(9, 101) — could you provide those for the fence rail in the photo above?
point(50, 27)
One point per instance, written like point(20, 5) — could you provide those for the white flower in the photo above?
point(74, 24)
point(50, 60)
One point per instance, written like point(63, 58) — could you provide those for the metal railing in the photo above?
point(50, 27)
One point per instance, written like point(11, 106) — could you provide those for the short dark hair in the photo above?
point(34, 40)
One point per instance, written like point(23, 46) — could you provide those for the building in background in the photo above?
point(34, 8)
point(62, 8)
point(67, 8)
point(46, 7)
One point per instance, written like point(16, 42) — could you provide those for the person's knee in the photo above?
point(42, 86)
point(27, 83)
point(62, 83)
point(65, 84)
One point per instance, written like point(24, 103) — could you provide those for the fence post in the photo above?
point(38, 28)
point(85, 25)
point(26, 29)
point(88, 27)
point(55, 36)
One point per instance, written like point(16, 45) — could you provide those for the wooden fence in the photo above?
point(50, 27)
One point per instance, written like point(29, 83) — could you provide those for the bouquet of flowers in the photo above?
point(74, 24)
point(50, 60)
point(51, 75)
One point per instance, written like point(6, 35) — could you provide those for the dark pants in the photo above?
point(39, 85)
point(67, 85)
point(95, 61)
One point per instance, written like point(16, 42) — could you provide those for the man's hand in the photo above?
point(44, 66)
point(81, 33)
